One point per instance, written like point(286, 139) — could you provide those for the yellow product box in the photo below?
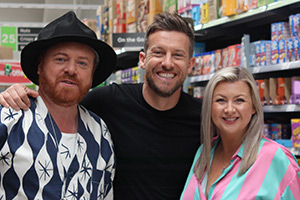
point(205, 13)
point(155, 6)
point(229, 7)
point(209, 11)
point(295, 124)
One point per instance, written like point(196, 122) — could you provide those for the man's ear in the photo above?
point(191, 64)
point(142, 57)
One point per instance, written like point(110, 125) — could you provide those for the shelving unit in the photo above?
point(256, 23)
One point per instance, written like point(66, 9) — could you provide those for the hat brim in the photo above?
point(31, 53)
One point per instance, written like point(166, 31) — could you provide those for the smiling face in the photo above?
point(166, 62)
point(232, 107)
point(66, 73)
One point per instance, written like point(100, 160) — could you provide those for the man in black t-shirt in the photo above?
point(155, 126)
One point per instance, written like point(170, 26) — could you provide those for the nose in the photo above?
point(70, 68)
point(167, 62)
point(230, 108)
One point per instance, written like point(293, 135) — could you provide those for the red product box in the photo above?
point(225, 57)
point(234, 54)
point(261, 85)
point(218, 59)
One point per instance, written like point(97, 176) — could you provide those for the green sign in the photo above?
point(9, 37)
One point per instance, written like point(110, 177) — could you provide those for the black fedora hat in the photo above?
point(64, 29)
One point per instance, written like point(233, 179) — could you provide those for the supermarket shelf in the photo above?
point(281, 108)
point(200, 78)
point(256, 22)
point(285, 70)
point(249, 13)
point(279, 70)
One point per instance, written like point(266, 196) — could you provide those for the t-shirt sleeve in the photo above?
point(97, 99)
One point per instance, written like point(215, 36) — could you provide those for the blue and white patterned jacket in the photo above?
point(31, 167)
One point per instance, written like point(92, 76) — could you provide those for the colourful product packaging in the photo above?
point(197, 67)
point(290, 50)
point(280, 97)
point(218, 59)
point(274, 52)
point(225, 57)
point(206, 62)
point(211, 62)
point(294, 21)
point(282, 49)
point(205, 13)
point(242, 6)
point(295, 123)
point(265, 53)
point(274, 31)
point(296, 43)
point(283, 30)
point(257, 53)
point(276, 131)
point(229, 7)
point(267, 131)
point(196, 14)
point(234, 55)
point(252, 4)
point(260, 85)
point(295, 96)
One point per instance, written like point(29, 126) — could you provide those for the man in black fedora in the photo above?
point(154, 125)
point(58, 149)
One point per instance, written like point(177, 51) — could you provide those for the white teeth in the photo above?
point(230, 119)
point(166, 75)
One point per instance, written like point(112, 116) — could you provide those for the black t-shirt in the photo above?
point(154, 149)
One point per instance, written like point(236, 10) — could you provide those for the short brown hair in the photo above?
point(170, 22)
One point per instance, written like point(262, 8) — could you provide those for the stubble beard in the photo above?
point(160, 91)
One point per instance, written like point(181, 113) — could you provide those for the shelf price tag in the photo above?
point(9, 37)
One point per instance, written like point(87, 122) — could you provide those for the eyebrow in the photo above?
point(161, 48)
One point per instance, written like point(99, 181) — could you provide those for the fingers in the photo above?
point(2, 101)
point(16, 97)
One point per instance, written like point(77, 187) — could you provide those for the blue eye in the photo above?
point(60, 59)
point(179, 55)
point(220, 100)
point(240, 100)
point(82, 63)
